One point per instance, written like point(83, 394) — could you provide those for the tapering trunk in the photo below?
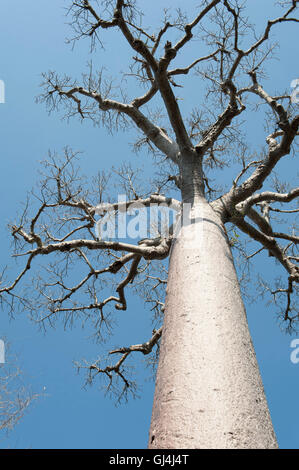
point(209, 392)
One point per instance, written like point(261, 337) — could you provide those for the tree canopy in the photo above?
point(206, 120)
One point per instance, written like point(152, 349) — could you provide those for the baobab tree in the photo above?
point(209, 392)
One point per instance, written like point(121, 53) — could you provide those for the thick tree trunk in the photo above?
point(209, 392)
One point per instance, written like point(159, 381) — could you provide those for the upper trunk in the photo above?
point(192, 185)
point(209, 393)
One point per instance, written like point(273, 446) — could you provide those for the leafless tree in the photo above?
point(208, 388)
point(15, 396)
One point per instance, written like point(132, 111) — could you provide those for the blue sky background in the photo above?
point(32, 36)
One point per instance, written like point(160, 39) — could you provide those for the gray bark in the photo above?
point(209, 393)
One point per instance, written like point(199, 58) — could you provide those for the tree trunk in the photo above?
point(209, 392)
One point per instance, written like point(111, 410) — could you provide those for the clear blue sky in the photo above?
point(32, 35)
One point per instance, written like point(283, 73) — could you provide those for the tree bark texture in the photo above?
point(209, 393)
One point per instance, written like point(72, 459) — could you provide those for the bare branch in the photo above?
point(154, 133)
point(145, 348)
point(189, 27)
point(268, 196)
